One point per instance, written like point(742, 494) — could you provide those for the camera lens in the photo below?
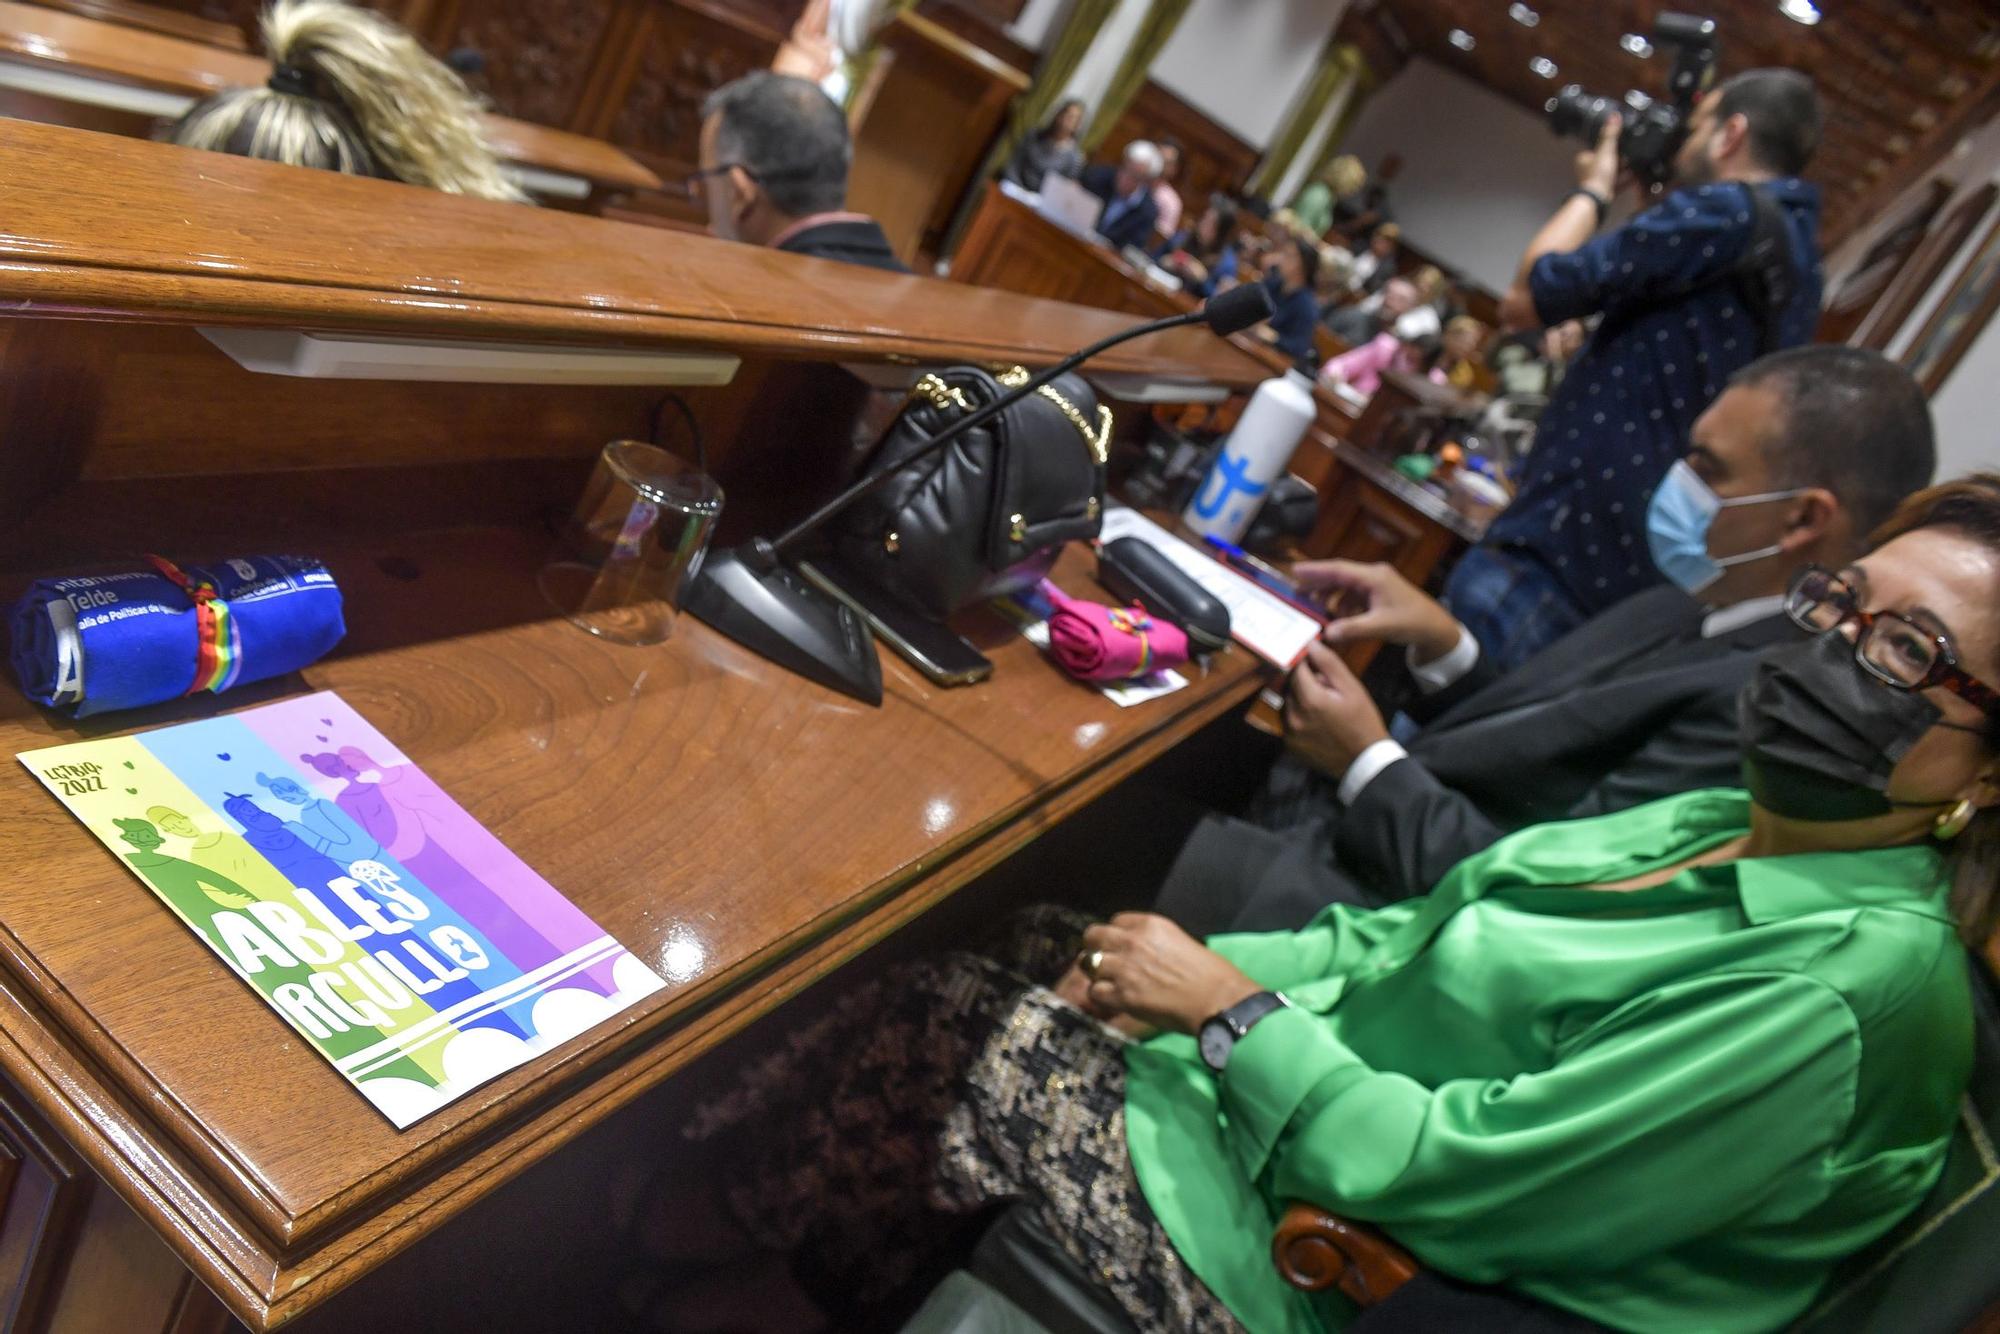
point(1576, 114)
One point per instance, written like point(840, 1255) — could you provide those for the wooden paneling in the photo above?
point(540, 55)
point(978, 22)
point(682, 55)
point(47, 1193)
point(1213, 158)
point(1899, 83)
point(906, 174)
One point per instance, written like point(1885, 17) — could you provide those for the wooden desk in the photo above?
point(740, 829)
point(71, 69)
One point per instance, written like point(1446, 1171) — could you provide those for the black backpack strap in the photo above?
point(1766, 273)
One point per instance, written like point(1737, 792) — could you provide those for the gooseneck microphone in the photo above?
point(747, 594)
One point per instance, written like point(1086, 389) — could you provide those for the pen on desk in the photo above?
point(1268, 577)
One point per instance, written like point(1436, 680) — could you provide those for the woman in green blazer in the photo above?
point(1661, 1069)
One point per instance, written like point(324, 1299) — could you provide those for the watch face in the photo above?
point(1216, 1042)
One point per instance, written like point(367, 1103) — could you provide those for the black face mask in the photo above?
point(1820, 735)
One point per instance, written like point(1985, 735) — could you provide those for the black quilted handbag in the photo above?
point(990, 512)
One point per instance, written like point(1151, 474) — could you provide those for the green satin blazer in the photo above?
point(1667, 1109)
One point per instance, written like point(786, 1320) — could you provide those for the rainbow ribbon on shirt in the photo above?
point(218, 650)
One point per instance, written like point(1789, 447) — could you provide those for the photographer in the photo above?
point(1683, 309)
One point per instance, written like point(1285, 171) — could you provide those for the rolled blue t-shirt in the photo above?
point(95, 643)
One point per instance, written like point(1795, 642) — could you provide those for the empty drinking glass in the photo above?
point(632, 543)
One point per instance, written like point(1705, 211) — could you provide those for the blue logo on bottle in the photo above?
point(1229, 477)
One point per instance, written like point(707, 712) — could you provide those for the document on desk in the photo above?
point(1259, 620)
point(388, 927)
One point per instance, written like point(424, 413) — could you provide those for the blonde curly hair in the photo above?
point(352, 92)
point(1345, 175)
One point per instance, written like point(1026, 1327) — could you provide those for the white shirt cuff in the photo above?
point(1378, 756)
point(1435, 675)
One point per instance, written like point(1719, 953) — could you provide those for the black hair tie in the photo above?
point(290, 79)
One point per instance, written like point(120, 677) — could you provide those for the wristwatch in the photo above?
point(1219, 1036)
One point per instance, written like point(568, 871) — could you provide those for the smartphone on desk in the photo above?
point(927, 645)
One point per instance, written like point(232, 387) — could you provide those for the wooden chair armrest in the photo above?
point(1315, 1250)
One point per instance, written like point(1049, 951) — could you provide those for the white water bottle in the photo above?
point(1252, 458)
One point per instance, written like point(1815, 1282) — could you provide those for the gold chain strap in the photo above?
point(1098, 440)
point(933, 390)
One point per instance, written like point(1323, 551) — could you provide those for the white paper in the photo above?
point(1259, 620)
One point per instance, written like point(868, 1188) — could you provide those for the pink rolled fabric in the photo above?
point(1093, 642)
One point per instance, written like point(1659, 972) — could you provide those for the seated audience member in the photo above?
point(774, 157)
point(1802, 455)
point(1053, 148)
point(1427, 315)
point(1344, 178)
point(1356, 216)
point(1357, 322)
point(1166, 199)
point(1361, 368)
point(1661, 1070)
point(1464, 341)
point(1330, 284)
point(1255, 228)
point(1520, 363)
point(1289, 273)
point(1377, 264)
point(1127, 191)
point(1203, 256)
point(351, 92)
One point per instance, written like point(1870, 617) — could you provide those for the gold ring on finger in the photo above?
point(1090, 961)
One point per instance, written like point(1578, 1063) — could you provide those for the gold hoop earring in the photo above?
point(1953, 822)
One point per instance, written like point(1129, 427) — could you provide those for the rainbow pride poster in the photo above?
point(388, 927)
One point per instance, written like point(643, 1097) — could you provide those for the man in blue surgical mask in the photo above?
point(1794, 463)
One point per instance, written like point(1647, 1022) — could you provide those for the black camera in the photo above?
point(1653, 130)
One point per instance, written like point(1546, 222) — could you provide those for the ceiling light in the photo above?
point(1462, 39)
point(1523, 15)
point(1636, 44)
point(1799, 11)
point(1543, 66)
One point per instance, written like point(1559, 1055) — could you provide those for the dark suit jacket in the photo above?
point(851, 241)
point(1135, 226)
point(1631, 706)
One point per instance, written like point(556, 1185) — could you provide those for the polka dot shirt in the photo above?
point(1670, 339)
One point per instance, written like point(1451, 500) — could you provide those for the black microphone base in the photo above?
point(776, 614)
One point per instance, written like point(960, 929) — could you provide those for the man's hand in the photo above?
point(1374, 602)
point(1156, 974)
point(1329, 719)
point(1597, 168)
point(1562, 342)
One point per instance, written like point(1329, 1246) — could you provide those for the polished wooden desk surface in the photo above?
point(739, 829)
point(76, 44)
point(156, 18)
point(112, 226)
